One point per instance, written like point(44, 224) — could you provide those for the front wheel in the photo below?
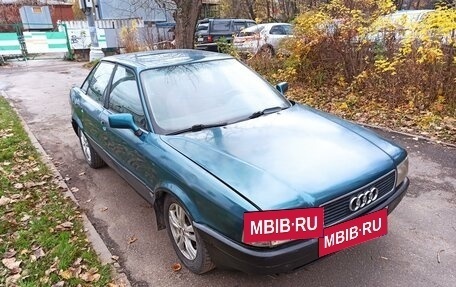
point(185, 239)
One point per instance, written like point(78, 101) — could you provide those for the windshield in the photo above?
point(206, 93)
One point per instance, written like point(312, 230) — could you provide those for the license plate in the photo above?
point(353, 232)
point(200, 39)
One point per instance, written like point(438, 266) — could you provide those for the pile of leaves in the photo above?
point(42, 239)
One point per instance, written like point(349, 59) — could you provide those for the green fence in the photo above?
point(9, 44)
point(23, 43)
point(45, 42)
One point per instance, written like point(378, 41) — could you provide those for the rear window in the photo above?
point(252, 30)
point(202, 26)
point(219, 26)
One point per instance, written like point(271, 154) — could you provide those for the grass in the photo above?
point(42, 238)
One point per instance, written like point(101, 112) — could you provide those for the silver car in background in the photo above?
point(262, 38)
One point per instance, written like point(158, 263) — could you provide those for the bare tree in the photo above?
point(185, 13)
point(186, 16)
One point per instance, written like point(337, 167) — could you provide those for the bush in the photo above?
point(129, 39)
point(351, 50)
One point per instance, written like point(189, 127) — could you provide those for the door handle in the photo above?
point(103, 125)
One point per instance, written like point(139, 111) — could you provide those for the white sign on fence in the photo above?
point(80, 38)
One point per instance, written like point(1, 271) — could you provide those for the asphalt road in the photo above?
point(421, 226)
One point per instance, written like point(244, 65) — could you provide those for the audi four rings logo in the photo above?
point(363, 199)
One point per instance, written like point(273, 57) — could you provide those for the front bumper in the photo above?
point(285, 258)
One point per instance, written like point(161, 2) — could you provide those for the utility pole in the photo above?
point(95, 50)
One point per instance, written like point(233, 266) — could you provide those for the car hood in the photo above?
point(295, 158)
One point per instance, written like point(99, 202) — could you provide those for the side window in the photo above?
point(277, 30)
point(99, 81)
point(288, 29)
point(221, 26)
point(86, 82)
point(124, 96)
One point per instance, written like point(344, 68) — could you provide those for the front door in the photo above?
point(127, 149)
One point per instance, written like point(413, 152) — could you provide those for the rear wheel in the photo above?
point(184, 237)
point(267, 51)
point(90, 155)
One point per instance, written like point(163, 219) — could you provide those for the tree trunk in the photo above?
point(186, 17)
point(250, 8)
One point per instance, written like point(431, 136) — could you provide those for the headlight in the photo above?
point(402, 171)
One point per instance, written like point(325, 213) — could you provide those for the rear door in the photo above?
point(91, 100)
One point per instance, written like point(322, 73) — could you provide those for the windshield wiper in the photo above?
point(198, 127)
point(265, 112)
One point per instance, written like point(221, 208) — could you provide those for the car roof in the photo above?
point(410, 14)
point(225, 19)
point(164, 58)
point(259, 27)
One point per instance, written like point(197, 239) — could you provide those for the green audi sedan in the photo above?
point(205, 140)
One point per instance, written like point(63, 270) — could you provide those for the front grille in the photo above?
point(337, 210)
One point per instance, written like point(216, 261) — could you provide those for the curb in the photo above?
point(95, 239)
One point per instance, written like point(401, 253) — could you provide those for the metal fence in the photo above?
point(15, 42)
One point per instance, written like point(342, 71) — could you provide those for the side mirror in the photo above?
point(282, 87)
point(124, 121)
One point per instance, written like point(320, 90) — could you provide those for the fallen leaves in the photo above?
point(34, 214)
point(78, 271)
point(10, 253)
point(115, 257)
point(4, 200)
point(176, 267)
point(25, 218)
point(6, 133)
point(90, 276)
point(132, 239)
point(64, 226)
point(18, 185)
point(12, 264)
point(37, 254)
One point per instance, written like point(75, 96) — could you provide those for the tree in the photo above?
point(184, 12)
point(77, 12)
point(186, 16)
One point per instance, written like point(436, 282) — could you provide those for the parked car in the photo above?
point(397, 26)
point(209, 31)
point(204, 151)
point(263, 38)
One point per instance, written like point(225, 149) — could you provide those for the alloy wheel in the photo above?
point(85, 147)
point(182, 231)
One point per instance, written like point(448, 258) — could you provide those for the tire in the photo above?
point(90, 155)
point(267, 51)
point(189, 246)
